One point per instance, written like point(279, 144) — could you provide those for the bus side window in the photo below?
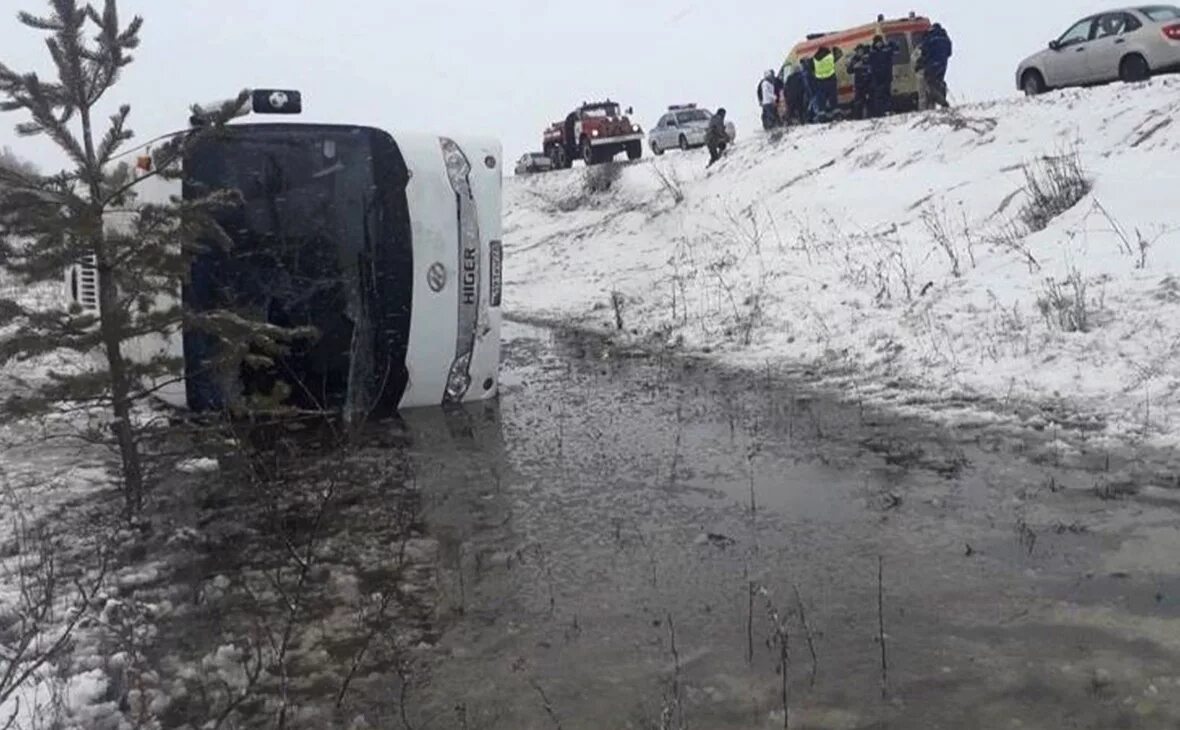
point(903, 48)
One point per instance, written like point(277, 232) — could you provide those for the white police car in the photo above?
point(683, 127)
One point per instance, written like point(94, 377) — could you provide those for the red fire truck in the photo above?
point(595, 133)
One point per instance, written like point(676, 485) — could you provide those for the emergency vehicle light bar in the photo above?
point(681, 107)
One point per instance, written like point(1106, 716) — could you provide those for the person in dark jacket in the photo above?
point(795, 91)
point(882, 56)
point(936, 51)
point(862, 79)
point(716, 137)
point(807, 78)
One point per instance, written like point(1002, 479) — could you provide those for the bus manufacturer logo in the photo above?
point(470, 276)
point(436, 276)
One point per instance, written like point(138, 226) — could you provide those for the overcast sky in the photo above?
point(507, 68)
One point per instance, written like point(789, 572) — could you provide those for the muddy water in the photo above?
point(629, 543)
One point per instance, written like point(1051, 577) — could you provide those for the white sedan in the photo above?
point(683, 127)
point(1129, 44)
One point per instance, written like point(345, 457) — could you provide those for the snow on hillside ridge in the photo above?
point(893, 250)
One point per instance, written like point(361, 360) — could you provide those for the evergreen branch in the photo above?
point(28, 343)
point(175, 148)
point(40, 101)
point(52, 25)
point(116, 136)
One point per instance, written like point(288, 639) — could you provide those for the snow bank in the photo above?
point(893, 256)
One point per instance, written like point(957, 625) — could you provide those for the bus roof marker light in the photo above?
point(276, 101)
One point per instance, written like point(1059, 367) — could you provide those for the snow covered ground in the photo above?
point(894, 257)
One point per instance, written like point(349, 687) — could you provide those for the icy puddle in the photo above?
point(628, 543)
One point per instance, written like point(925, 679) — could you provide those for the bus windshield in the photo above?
point(321, 239)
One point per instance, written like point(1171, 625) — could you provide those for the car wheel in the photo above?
point(634, 150)
point(656, 149)
point(1033, 83)
point(684, 143)
point(588, 155)
point(1134, 68)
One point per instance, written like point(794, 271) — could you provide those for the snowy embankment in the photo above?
point(900, 257)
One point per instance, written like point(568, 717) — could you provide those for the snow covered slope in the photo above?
point(897, 255)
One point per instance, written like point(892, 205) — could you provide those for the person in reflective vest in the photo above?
point(827, 86)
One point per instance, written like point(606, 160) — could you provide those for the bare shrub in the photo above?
point(1064, 304)
point(670, 182)
point(617, 302)
point(1011, 236)
point(1054, 185)
point(938, 226)
point(599, 179)
point(1137, 247)
point(720, 280)
point(957, 121)
point(877, 261)
point(51, 598)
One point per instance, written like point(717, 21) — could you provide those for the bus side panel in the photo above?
point(434, 221)
point(487, 161)
point(170, 389)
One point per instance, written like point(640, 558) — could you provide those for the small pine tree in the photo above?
point(50, 223)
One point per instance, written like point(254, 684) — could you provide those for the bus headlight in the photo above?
point(458, 166)
point(459, 379)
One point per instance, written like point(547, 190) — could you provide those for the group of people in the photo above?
point(807, 91)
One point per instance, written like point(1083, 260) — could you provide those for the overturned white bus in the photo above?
point(388, 245)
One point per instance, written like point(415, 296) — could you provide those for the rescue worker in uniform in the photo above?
point(716, 137)
point(768, 100)
point(936, 51)
point(862, 77)
point(807, 77)
point(827, 87)
point(795, 91)
point(882, 56)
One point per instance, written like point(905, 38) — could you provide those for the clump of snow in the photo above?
point(910, 260)
point(198, 466)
